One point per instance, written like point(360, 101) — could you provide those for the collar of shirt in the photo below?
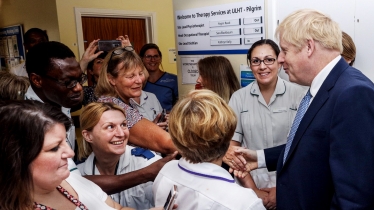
point(31, 95)
point(321, 76)
point(280, 88)
point(143, 99)
point(208, 170)
point(124, 161)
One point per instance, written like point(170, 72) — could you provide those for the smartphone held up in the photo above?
point(108, 45)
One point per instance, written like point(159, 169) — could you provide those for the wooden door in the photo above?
point(110, 28)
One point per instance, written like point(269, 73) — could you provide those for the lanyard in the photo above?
point(207, 176)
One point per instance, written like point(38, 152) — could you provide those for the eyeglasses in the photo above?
point(121, 50)
point(267, 61)
point(149, 57)
point(71, 83)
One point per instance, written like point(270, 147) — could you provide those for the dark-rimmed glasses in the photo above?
point(149, 57)
point(267, 61)
point(121, 50)
point(71, 83)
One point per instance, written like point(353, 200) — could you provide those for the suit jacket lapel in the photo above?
point(319, 99)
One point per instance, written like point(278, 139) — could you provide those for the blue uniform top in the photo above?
point(165, 89)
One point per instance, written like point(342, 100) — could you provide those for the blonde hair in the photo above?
point(110, 69)
point(307, 24)
point(349, 48)
point(89, 117)
point(219, 76)
point(201, 126)
point(12, 86)
point(146, 76)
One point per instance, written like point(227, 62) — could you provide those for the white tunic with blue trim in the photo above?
point(203, 186)
point(138, 197)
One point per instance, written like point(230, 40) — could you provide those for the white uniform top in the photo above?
point(149, 106)
point(91, 195)
point(202, 186)
point(262, 125)
point(138, 197)
point(31, 95)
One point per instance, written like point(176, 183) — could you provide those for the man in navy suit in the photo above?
point(330, 162)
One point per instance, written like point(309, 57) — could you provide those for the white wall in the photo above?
point(364, 37)
point(355, 17)
point(31, 14)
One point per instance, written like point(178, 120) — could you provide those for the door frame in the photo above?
point(149, 17)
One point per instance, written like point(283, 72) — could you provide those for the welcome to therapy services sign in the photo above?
point(220, 29)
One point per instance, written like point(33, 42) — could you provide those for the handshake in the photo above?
point(241, 160)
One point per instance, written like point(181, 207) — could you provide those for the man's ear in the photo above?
point(36, 80)
point(86, 136)
point(310, 46)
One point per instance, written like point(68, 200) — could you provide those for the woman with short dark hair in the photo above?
point(163, 84)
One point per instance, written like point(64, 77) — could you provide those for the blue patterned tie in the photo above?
point(296, 122)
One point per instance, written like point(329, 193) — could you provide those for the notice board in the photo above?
point(220, 29)
point(12, 51)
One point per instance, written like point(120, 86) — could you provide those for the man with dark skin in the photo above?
point(32, 37)
point(56, 78)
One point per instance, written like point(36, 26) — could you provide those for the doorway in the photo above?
point(107, 28)
point(114, 17)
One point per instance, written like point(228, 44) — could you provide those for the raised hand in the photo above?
point(125, 41)
point(89, 55)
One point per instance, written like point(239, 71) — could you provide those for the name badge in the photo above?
point(279, 110)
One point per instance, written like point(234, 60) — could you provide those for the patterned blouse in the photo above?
point(38, 206)
point(88, 95)
point(132, 115)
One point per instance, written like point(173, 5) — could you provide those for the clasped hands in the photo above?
point(241, 160)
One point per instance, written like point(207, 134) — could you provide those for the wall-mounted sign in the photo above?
point(190, 71)
point(246, 75)
point(220, 29)
point(172, 55)
point(11, 46)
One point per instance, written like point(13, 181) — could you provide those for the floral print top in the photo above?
point(132, 115)
point(38, 206)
